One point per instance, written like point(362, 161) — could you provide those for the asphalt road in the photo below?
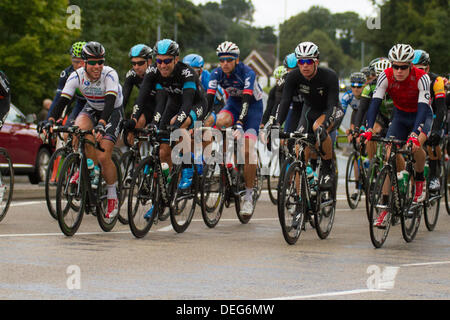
point(231, 261)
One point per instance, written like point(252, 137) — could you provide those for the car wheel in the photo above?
point(40, 168)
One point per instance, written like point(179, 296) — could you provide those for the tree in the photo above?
point(238, 10)
point(34, 45)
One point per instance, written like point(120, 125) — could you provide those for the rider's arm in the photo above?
point(127, 87)
point(377, 99)
point(332, 99)
point(439, 103)
point(67, 94)
point(147, 86)
point(61, 84)
point(189, 89)
point(161, 99)
point(281, 111)
point(111, 92)
point(247, 94)
point(269, 106)
point(212, 89)
point(423, 107)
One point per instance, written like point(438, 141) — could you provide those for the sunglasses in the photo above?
point(165, 61)
point(139, 63)
point(307, 61)
point(94, 62)
point(396, 67)
point(222, 60)
point(360, 87)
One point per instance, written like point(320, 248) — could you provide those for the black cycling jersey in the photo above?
point(182, 89)
point(5, 96)
point(273, 100)
point(131, 80)
point(320, 94)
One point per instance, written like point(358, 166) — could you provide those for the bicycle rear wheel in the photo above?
point(372, 175)
point(412, 213)
point(431, 210)
point(70, 195)
point(182, 207)
point(51, 179)
point(239, 193)
point(143, 198)
point(378, 234)
point(324, 217)
point(351, 183)
point(212, 190)
point(107, 224)
point(6, 182)
point(291, 204)
point(447, 186)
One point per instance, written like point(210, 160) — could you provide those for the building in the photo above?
point(263, 64)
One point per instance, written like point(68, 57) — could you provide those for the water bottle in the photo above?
point(426, 171)
point(366, 163)
point(312, 179)
point(90, 164)
point(166, 171)
point(402, 178)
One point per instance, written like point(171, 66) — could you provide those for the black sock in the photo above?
point(419, 176)
point(385, 198)
point(433, 167)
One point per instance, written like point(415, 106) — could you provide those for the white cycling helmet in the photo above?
point(381, 65)
point(306, 50)
point(228, 48)
point(401, 53)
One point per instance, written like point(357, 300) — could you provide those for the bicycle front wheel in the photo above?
point(212, 190)
point(127, 167)
point(380, 211)
point(352, 180)
point(6, 182)
point(291, 203)
point(412, 213)
point(51, 179)
point(70, 195)
point(143, 198)
point(431, 211)
point(182, 207)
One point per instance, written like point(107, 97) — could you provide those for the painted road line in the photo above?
point(328, 294)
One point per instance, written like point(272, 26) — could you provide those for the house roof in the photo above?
point(258, 63)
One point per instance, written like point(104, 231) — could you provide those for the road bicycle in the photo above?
point(301, 198)
point(75, 194)
point(6, 182)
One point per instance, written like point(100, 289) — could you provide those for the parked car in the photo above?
point(29, 154)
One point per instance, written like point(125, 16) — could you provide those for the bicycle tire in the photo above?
point(211, 214)
point(447, 186)
point(57, 157)
point(178, 217)
point(102, 201)
point(239, 191)
point(411, 214)
point(8, 188)
point(431, 210)
point(66, 190)
point(290, 207)
point(372, 174)
point(143, 188)
point(378, 235)
point(350, 179)
point(323, 230)
point(127, 166)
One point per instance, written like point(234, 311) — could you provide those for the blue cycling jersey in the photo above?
point(349, 99)
point(240, 82)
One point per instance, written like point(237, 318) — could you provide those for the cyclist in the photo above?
point(352, 98)
point(437, 89)
point(197, 63)
point(141, 58)
point(275, 93)
point(243, 109)
point(319, 88)
point(384, 116)
point(409, 88)
point(103, 112)
point(80, 101)
point(5, 97)
point(180, 98)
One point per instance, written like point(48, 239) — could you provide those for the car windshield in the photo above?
point(15, 115)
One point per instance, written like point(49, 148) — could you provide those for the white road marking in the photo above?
point(328, 294)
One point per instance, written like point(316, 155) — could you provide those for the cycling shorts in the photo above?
point(112, 125)
point(253, 119)
point(403, 124)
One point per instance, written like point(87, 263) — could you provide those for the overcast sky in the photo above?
point(272, 12)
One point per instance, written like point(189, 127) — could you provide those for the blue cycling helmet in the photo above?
point(167, 47)
point(421, 57)
point(194, 60)
point(290, 61)
point(140, 51)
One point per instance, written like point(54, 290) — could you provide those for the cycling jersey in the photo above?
point(182, 89)
point(244, 96)
point(219, 99)
point(437, 90)
point(320, 95)
point(409, 96)
point(274, 99)
point(131, 80)
point(80, 101)
point(350, 100)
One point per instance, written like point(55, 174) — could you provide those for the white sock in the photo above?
point(112, 194)
point(248, 194)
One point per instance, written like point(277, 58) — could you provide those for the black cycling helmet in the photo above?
point(167, 47)
point(366, 71)
point(93, 50)
point(140, 51)
point(357, 79)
